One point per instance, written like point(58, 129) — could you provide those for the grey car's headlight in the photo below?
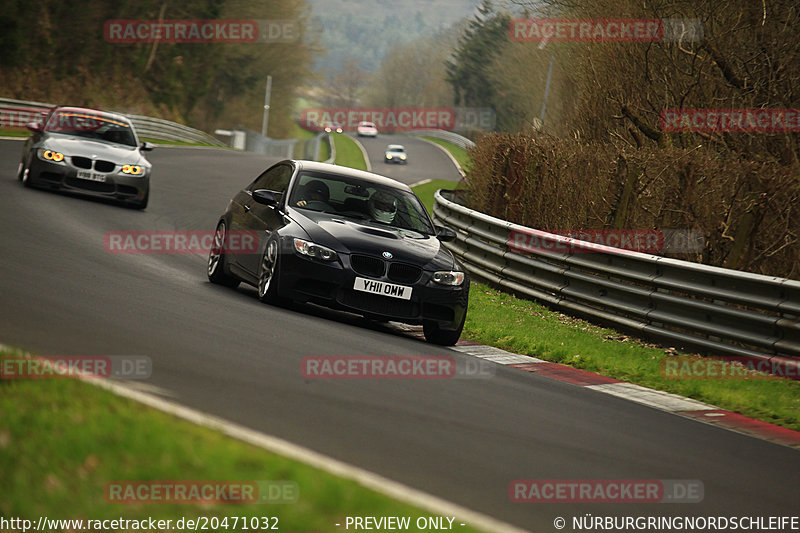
point(132, 170)
point(453, 278)
point(50, 155)
point(311, 249)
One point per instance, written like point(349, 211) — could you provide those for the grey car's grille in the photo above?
point(367, 265)
point(104, 166)
point(404, 273)
point(99, 165)
point(81, 162)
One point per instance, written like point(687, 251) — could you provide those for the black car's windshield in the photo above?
point(91, 126)
point(362, 200)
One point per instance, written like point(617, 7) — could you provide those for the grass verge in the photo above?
point(526, 327)
point(425, 191)
point(62, 441)
point(12, 132)
point(348, 154)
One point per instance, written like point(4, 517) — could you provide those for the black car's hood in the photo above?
point(78, 146)
point(347, 235)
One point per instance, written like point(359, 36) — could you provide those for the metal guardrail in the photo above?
point(157, 128)
point(700, 307)
point(255, 142)
point(448, 136)
point(17, 113)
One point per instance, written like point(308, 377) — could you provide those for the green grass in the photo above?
point(13, 132)
point(348, 153)
point(426, 190)
point(456, 151)
point(62, 441)
point(525, 327)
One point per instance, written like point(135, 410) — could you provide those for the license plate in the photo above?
point(384, 289)
point(93, 176)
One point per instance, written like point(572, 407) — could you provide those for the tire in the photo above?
point(269, 274)
point(24, 175)
point(443, 337)
point(216, 260)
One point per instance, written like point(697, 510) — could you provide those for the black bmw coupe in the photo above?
point(346, 239)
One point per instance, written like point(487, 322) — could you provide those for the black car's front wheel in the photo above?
point(216, 259)
point(435, 334)
point(269, 274)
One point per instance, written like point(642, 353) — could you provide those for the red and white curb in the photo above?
point(663, 401)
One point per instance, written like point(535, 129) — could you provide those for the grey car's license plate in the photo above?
point(93, 176)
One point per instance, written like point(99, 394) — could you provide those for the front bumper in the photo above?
point(112, 185)
point(331, 284)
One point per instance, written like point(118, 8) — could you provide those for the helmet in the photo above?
point(382, 206)
point(316, 187)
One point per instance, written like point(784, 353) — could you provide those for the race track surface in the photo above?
point(222, 352)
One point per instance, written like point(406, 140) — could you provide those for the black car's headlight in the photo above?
point(133, 170)
point(311, 249)
point(50, 155)
point(454, 278)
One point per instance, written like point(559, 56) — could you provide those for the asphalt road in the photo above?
point(222, 352)
point(426, 161)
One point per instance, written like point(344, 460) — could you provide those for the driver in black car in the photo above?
point(315, 196)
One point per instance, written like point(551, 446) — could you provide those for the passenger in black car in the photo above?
point(315, 196)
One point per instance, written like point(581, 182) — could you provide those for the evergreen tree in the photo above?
point(484, 37)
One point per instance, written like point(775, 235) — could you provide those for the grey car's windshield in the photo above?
point(362, 200)
point(91, 126)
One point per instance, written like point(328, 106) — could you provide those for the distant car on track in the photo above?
point(367, 129)
point(331, 127)
point(345, 239)
point(87, 152)
point(396, 153)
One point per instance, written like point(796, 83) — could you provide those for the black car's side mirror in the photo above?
point(263, 196)
point(445, 234)
point(146, 146)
